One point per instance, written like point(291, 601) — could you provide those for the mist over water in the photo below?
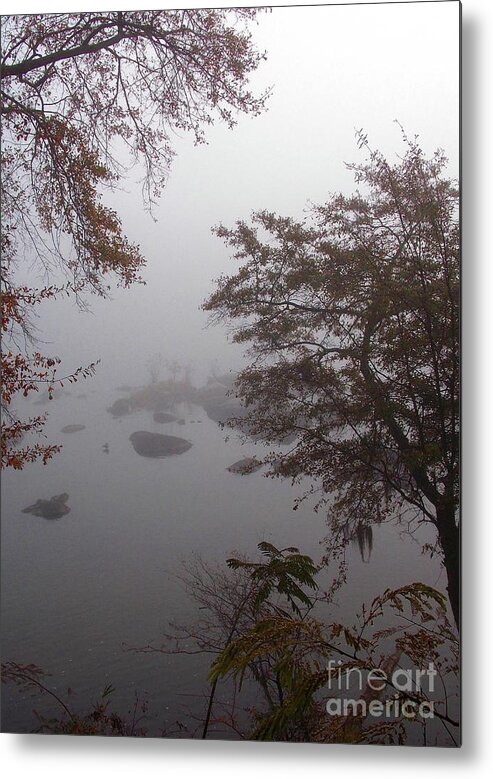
point(78, 592)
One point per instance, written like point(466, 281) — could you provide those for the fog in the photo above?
point(332, 70)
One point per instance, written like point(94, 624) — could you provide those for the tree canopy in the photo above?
point(83, 97)
point(352, 318)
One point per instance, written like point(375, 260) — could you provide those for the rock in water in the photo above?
point(54, 508)
point(161, 417)
point(247, 465)
point(221, 412)
point(158, 445)
point(120, 407)
point(72, 428)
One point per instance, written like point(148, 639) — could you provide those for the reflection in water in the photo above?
point(364, 539)
point(76, 594)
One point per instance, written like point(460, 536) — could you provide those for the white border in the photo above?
point(67, 756)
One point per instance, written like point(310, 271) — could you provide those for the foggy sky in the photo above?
point(332, 69)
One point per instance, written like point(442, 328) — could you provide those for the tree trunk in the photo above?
point(449, 535)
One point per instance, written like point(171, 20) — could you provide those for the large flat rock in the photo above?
point(246, 465)
point(158, 445)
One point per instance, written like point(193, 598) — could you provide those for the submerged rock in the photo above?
point(158, 445)
point(72, 428)
point(223, 411)
point(53, 508)
point(162, 417)
point(247, 465)
point(120, 407)
point(218, 400)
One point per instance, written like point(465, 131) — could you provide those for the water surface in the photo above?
point(79, 591)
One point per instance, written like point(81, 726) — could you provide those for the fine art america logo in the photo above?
point(411, 688)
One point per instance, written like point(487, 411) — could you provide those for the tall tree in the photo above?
point(353, 320)
point(84, 96)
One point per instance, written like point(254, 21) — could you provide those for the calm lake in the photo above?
point(79, 592)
